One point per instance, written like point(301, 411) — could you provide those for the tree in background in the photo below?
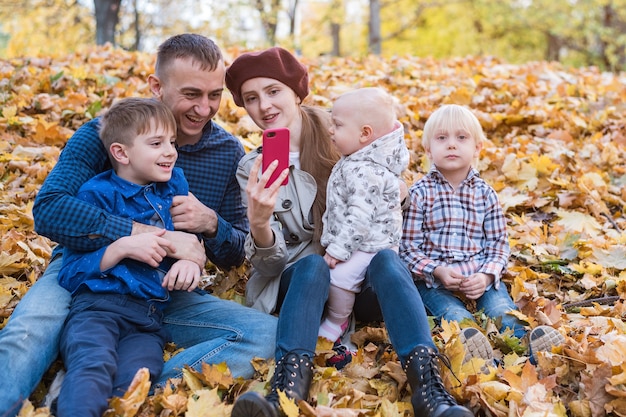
point(107, 16)
point(574, 32)
point(50, 27)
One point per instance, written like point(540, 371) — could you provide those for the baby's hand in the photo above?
point(450, 277)
point(183, 275)
point(474, 286)
point(330, 261)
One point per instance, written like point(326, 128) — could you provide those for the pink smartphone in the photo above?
point(276, 147)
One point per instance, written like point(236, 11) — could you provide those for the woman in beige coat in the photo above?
point(290, 276)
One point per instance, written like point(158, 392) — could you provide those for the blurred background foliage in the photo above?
point(574, 32)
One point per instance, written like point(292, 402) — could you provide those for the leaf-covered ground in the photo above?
point(556, 155)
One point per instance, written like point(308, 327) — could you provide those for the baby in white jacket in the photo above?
point(363, 209)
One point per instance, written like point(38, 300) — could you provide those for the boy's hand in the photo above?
point(183, 275)
point(474, 286)
point(149, 248)
point(182, 245)
point(330, 261)
point(450, 277)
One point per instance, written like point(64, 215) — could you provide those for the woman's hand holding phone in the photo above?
point(262, 195)
point(276, 148)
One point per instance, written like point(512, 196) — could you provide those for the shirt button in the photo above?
point(287, 204)
point(294, 237)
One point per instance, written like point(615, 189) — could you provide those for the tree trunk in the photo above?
point(553, 50)
point(107, 16)
point(335, 32)
point(292, 18)
point(137, 27)
point(374, 45)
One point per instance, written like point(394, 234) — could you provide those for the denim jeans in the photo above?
point(210, 330)
point(388, 288)
point(213, 330)
point(302, 296)
point(388, 293)
point(29, 343)
point(495, 303)
point(107, 338)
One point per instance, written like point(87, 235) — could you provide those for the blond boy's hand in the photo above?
point(475, 285)
point(450, 277)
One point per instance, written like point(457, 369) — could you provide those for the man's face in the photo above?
point(192, 94)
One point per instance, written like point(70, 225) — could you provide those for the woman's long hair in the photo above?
point(317, 157)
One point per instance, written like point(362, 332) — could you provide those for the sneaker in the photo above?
point(541, 339)
point(476, 345)
point(341, 358)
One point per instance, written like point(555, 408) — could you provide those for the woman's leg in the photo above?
point(304, 289)
point(400, 303)
point(307, 284)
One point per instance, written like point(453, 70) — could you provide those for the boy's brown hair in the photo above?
point(131, 117)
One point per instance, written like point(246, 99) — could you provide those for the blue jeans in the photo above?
point(302, 296)
point(210, 330)
point(107, 338)
point(213, 330)
point(29, 343)
point(388, 288)
point(495, 303)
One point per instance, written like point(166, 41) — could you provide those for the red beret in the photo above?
point(276, 63)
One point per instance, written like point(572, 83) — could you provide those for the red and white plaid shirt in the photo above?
point(464, 228)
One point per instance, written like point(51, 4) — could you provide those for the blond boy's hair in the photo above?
point(452, 115)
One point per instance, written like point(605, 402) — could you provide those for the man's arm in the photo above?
point(76, 224)
point(226, 248)
point(59, 215)
point(210, 168)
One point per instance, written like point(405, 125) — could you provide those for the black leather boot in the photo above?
point(293, 376)
point(430, 398)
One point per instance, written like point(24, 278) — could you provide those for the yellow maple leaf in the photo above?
point(207, 403)
point(574, 221)
point(288, 405)
point(136, 394)
point(9, 111)
point(614, 257)
point(217, 375)
point(543, 164)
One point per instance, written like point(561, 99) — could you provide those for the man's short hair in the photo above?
point(202, 51)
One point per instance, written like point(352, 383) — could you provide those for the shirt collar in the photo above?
point(470, 180)
point(126, 188)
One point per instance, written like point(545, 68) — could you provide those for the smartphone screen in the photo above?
point(276, 147)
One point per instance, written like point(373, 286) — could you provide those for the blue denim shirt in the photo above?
point(147, 204)
point(209, 167)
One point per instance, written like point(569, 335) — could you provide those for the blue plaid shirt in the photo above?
point(463, 228)
point(209, 167)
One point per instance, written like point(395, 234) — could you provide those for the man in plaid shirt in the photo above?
point(210, 222)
